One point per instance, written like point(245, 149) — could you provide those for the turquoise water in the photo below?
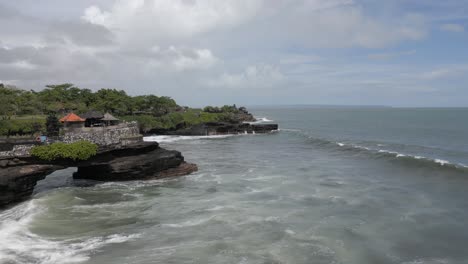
point(359, 186)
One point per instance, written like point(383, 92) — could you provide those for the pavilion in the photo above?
point(72, 121)
point(110, 120)
point(93, 118)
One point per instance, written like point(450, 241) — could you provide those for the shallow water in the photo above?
point(333, 186)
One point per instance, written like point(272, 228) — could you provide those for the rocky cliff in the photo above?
point(143, 160)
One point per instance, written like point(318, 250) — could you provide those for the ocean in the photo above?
point(333, 185)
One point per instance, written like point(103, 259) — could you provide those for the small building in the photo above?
point(93, 119)
point(110, 120)
point(72, 122)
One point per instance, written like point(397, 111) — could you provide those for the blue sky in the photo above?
point(394, 52)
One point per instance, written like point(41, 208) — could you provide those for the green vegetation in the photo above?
point(24, 112)
point(21, 127)
point(64, 98)
point(173, 120)
point(81, 150)
point(52, 125)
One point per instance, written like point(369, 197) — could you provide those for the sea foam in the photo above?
point(168, 139)
point(19, 245)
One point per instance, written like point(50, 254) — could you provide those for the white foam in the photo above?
point(19, 245)
point(168, 139)
point(190, 223)
point(216, 208)
point(438, 161)
point(259, 120)
point(441, 162)
point(390, 152)
point(340, 144)
point(361, 147)
point(263, 119)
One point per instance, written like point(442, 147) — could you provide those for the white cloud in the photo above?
point(349, 26)
point(181, 59)
point(318, 23)
point(23, 64)
point(452, 28)
point(253, 76)
point(161, 19)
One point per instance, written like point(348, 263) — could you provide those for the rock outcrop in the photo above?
point(17, 182)
point(139, 161)
point(218, 128)
point(143, 160)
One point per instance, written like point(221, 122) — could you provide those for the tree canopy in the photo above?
point(63, 98)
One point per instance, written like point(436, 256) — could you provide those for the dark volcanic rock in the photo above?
point(144, 160)
point(17, 183)
point(218, 128)
point(123, 168)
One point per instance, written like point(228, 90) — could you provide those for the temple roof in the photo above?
point(71, 117)
point(92, 115)
point(109, 117)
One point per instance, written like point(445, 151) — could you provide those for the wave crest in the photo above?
point(409, 159)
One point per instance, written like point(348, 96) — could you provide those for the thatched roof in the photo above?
point(109, 117)
point(92, 115)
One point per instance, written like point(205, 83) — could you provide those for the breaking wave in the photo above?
point(19, 245)
point(378, 153)
point(260, 120)
point(168, 139)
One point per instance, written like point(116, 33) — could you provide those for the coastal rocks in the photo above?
point(219, 128)
point(184, 168)
point(17, 182)
point(138, 161)
point(148, 162)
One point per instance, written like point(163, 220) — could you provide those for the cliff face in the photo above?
point(143, 160)
point(17, 183)
point(138, 161)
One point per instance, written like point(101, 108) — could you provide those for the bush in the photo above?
point(81, 150)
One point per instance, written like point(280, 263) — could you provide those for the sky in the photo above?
point(249, 52)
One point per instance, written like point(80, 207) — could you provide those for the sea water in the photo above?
point(334, 185)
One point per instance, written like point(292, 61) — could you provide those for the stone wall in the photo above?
point(17, 151)
point(121, 134)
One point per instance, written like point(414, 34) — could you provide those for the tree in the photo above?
point(112, 100)
point(8, 101)
point(52, 125)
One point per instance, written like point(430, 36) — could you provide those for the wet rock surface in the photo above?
point(143, 160)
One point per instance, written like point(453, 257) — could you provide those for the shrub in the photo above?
point(81, 150)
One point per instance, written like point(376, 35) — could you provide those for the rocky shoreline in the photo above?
point(134, 160)
point(217, 128)
point(143, 160)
